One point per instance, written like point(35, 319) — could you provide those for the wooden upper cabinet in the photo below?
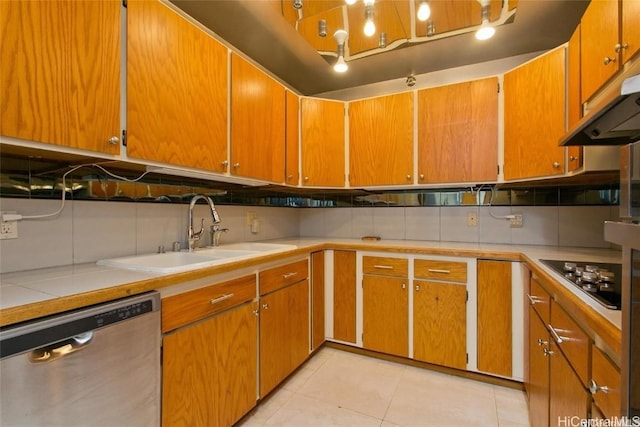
point(257, 123)
point(574, 100)
point(292, 144)
point(323, 135)
point(176, 90)
point(381, 141)
point(534, 117)
point(599, 60)
point(60, 73)
point(630, 42)
point(458, 132)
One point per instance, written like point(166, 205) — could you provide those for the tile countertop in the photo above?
point(30, 294)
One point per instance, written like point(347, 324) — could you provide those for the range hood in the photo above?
point(617, 123)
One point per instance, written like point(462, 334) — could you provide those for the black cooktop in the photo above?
point(599, 280)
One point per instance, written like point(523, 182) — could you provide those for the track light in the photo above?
point(369, 25)
point(486, 30)
point(350, 2)
point(424, 11)
point(340, 66)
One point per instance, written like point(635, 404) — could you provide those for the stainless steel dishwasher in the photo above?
point(96, 366)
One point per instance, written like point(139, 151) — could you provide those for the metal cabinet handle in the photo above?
point(548, 352)
point(435, 270)
point(573, 158)
point(421, 176)
point(542, 342)
point(289, 176)
point(265, 306)
point(594, 387)
point(306, 179)
point(556, 165)
point(408, 177)
point(225, 163)
point(608, 60)
point(620, 47)
point(236, 165)
point(114, 140)
point(62, 348)
point(559, 339)
point(417, 287)
point(289, 275)
point(534, 299)
point(220, 299)
point(404, 286)
point(383, 267)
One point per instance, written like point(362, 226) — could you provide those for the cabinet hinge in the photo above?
point(467, 358)
point(161, 355)
point(124, 3)
point(498, 169)
point(466, 299)
point(498, 87)
point(124, 138)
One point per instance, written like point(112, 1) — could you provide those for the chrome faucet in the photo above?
point(194, 236)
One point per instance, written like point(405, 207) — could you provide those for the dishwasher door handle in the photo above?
point(55, 351)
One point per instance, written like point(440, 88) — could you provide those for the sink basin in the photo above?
point(177, 262)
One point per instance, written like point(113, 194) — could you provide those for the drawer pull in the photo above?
point(220, 299)
point(594, 387)
point(289, 275)
point(534, 299)
point(383, 267)
point(559, 339)
point(436, 270)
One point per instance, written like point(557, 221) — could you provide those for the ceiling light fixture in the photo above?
point(431, 29)
point(486, 30)
point(340, 66)
point(424, 11)
point(322, 28)
point(382, 40)
point(369, 25)
point(350, 2)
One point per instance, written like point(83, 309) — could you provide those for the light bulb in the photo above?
point(486, 31)
point(424, 11)
point(369, 28)
point(340, 66)
point(350, 2)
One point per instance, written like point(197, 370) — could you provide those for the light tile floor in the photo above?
point(338, 388)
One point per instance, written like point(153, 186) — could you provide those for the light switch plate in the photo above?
point(472, 219)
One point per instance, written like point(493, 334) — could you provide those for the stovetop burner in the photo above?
point(601, 281)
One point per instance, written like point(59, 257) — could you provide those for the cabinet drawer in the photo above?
point(284, 275)
point(605, 384)
point(572, 340)
point(188, 307)
point(540, 300)
point(451, 271)
point(385, 266)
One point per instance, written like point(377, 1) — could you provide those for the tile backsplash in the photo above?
point(86, 231)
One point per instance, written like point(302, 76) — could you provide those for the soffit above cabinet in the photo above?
point(257, 29)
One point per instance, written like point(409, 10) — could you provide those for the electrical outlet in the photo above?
point(516, 221)
point(472, 219)
point(9, 230)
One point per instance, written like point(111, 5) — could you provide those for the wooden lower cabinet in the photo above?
point(344, 296)
point(209, 371)
point(568, 399)
point(284, 333)
point(537, 385)
point(495, 343)
point(317, 299)
point(439, 323)
point(385, 314)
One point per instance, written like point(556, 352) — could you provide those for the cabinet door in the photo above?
point(534, 117)
point(458, 132)
point(385, 315)
point(257, 124)
point(599, 26)
point(440, 323)
point(344, 296)
point(60, 72)
point(176, 90)
point(381, 141)
point(317, 299)
point(284, 333)
point(322, 142)
point(209, 370)
point(538, 379)
point(568, 399)
point(574, 104)
point(292, 168)
point(630, 29)
point(495, 341)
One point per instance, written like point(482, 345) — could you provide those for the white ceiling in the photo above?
point(256, 29)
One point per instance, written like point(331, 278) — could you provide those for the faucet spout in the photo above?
point(192, 235)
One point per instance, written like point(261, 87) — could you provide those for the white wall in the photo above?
point(580, 226)
point(90, 230)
